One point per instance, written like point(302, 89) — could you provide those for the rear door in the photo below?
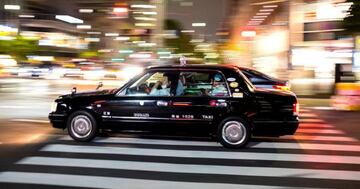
point(202, 96)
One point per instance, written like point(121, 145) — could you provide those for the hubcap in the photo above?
point(234, 132)
point(81, 126)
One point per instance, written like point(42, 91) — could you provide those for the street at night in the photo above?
point(180, 94)
point(324, 152)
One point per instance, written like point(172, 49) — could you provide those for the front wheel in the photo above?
point(234, 132)
point(82, 126)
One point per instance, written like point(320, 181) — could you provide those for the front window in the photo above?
point(151, 84)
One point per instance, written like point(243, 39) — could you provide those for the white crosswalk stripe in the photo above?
point(200, 154)
point(322, 131)
point(111, 182)
point(317, 125)
point(189, 168)
point(273, 145)
point(318, 154)
point(321, 138)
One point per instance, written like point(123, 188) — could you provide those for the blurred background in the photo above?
point(46, 47)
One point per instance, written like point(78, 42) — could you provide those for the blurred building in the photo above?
point(200, 18)
point(87, 25)
point(36, 20)
point(300, 40)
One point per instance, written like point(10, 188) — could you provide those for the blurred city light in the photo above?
point(263, 13)
point(143, 6)
point(148, 13)
point(83, 27)
point(26, 16)
point(122, 38)
point(266, 10)
point(147, 44)
point(4, 28)
point(69, 19)
point(92, 39)
point(145, 18)
point(140, 55)
point(111, 34)
point(41, 58)
point(131, 71)
point(198, 24)
point(126, 51)
point(270, 6)
point(248, 33)
point(120, 10)
point(187, 31)
point(93, 33)
point(145, 24)
point(12, 7)
point(86, 10)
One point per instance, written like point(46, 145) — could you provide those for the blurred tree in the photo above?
point(89, 54)
point(352, 22)
point(18, 47)
point(180, 44)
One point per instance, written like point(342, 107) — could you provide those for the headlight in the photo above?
point(54, 106)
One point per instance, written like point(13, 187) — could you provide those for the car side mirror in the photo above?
point(99, 85)
point(73, 90)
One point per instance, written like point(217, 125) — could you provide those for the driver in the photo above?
point(161, 88)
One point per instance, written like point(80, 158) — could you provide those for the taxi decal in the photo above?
point(238, 95)
point(234, 84)
point(190, 117)
point(141, 115)
point(231, 79)
point(208, 117)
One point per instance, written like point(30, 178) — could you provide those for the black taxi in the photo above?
point(217, 98)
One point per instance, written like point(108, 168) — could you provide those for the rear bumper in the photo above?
point(275, 128)
point(57, 120)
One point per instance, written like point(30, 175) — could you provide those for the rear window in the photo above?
point(256, 75)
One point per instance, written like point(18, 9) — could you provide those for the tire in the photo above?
point(234, 132)
point(82, 126)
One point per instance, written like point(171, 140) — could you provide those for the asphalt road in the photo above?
point(324, 153)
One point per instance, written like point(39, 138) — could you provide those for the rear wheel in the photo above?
point(234, 132)
point(82, 126)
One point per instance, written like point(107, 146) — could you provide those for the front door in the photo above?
point(141, 101)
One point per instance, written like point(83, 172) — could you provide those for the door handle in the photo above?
point(162, 103)
point(181, 103)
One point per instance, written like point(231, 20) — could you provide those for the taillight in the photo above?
point(212, 103)
point(283, 87)
point(296, 109)
point(218, 103)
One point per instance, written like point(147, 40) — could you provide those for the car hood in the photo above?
point(84, 94)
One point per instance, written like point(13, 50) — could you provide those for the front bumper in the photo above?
point(57, 120)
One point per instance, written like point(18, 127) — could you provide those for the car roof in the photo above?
point(221, 67)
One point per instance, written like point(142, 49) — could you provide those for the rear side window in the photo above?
point(254, 77)
point(197, 83)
